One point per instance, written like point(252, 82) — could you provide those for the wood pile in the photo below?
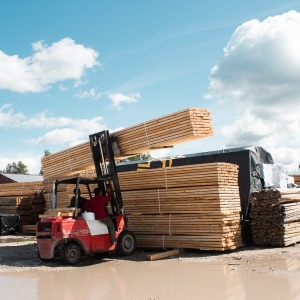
point(275, 217)
point(25, 199)
point(297, 179)
point(64, 193)
point(194, 206)
point(164, 132)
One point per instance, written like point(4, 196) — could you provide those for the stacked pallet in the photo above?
point(194, 206)
point(164, 132)
point(25, 199)
point(275, 217)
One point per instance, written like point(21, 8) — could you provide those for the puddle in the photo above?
point(157, 280)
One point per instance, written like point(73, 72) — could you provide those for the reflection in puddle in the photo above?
point(169, 279)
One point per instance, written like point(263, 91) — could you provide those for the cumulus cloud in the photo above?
point(60, 130)
point(118, 99)
point(49, 64)
point(260, 73)
point(33, 164)
point(90, 94)
point(70, 132)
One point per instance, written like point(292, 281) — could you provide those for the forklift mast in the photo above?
point(102, 145)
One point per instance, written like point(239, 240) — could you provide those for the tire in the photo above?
point(71, 253)
point(126, 243)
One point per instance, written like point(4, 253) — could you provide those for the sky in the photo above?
point(70, 68)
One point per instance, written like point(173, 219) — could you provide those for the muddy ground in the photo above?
point(19, 251)
point(246, 273)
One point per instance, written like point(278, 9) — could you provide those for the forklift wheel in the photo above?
point(71, 253)
point(126, 243)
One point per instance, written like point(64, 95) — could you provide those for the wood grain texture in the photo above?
point(164, 132)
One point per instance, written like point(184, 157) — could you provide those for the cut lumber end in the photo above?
point(163, 254)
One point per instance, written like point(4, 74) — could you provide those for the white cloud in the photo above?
point(75, 131)
point(33, 164)
point(63, 60)
point(64, 130)
point(8, 118)
point(260, 73)
point(91, 94)
point(118, 99)
point(59, 136)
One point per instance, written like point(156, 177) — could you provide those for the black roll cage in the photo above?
point(101, 144)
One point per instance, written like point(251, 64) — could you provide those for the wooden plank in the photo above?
point(163, 254)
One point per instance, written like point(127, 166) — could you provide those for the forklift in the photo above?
point(71, 237)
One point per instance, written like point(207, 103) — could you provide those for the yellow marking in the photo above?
point(144, 166)
point(166, 163)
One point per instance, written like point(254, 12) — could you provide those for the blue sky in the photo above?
point(72, 68)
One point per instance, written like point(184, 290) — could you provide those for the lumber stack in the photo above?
point(64, 194)
point(275, 217)
point(25, 199)
point(297, 179)
point(194, 206)
point(164, 132)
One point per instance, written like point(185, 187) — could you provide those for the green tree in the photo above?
point(16, 168)
point(144, 156)
point(46, 153)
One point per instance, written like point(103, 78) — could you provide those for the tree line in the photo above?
point(20, 168)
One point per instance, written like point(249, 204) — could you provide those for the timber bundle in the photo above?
point(64, 193)
point(164, 132)
point(25, 199)
point(275, 217)
point(297, 179)
point(194, 206)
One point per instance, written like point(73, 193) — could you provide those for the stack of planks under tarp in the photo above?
point(25, 199)
point(275, 217)
point(164, 132)
point(195, 206)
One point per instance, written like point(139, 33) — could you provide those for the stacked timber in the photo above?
point(275, 217)
point(64, 194)
point(25, 199)
point(164, 132)
point(194, 206)
point(297, 179)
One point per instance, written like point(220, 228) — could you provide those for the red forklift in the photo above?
point(71, 237)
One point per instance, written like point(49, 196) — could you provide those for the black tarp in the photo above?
point(248, 159)
point(9, 223)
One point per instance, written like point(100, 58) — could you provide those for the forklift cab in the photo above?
point(87, 185)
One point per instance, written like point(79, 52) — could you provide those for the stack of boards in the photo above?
point(25, 199)
point(275, 217)
point(194, 206)
point(64, 193)
point(164, 132)
point(297, 179)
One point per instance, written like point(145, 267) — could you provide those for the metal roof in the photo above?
point(23, 177)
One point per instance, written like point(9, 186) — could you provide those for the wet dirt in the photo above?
point(247, 273)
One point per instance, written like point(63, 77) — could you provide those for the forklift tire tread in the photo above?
point(126, 243)
point(71, 253)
